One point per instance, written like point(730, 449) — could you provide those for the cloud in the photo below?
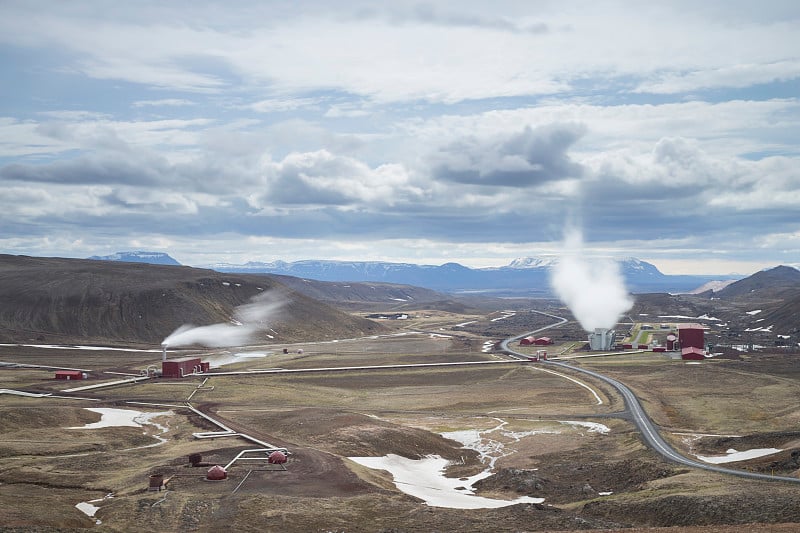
point(521, 159)
point(322, 178)
point(673, 126)
point(164, 102)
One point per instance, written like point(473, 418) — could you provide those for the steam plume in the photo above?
point(248, 319)
point(593, 290)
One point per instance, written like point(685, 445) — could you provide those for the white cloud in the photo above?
point(451, 130)
point(164, 102)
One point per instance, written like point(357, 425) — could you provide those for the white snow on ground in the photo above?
point(754, 312)
point(684, 317)
point(88, 509)
point(424, 478)
point(464, 324)
point(767, 329)
point(110, 417)
point(506, 314)
point(733, 455)
point(78, 347)
point(593, 427)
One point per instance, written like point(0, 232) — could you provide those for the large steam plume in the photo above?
point(593, 290)
point(248, 319)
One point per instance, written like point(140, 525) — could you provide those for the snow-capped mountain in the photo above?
point(547, 261)
point(153, 258)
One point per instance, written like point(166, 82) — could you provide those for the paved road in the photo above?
point(649, 431)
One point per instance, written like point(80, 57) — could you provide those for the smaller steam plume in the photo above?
point(247, 320)
point(593, 290)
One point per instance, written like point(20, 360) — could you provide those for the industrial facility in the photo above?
point(535, 341)
point(601, 339)
point(69, 375)
point(691, 341)
point(178, 368)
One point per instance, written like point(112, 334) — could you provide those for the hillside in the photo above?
point(773, 284)
point(83, 301)
point(364, 296)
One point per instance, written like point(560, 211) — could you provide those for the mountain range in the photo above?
point(525, 276)
point(152, 258)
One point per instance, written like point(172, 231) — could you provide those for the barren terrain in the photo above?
point(588, 479)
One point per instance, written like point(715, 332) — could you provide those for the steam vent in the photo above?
point(601, 339)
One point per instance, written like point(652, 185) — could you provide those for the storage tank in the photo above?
point(216, 473)
point(276, 458)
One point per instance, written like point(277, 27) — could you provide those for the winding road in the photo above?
point(649, 431)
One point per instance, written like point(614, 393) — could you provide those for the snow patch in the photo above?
point(733, 455)
point(424, 478)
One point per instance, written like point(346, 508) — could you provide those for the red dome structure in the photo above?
point(276, 458)
point(216, 473)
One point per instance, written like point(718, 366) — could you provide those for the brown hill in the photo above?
point(77, 301)
point(773, 284)
point(370, 296)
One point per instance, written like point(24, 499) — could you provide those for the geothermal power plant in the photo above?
point(601, 339)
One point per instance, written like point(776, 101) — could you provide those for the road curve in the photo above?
point(649, 432)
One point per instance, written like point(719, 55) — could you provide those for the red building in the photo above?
point(691, 336)
point(177, 368)
point(543, 341)
point(692, 354)
point(69, 374)
point(527, 341)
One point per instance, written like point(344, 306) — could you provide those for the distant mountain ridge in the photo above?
point(152, 258)
point(528, 275)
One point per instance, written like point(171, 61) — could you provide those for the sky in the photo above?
point(470, 132)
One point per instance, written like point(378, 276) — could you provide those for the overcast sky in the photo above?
point(466, 131)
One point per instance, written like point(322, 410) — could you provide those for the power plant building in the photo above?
point(601, 339)
point(691, 339)
point(177, 368)
point(691, 335)
point(70, 374)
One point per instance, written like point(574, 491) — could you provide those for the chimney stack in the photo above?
point(163, 352)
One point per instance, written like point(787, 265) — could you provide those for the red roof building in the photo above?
point(692, 354)
point(527, 341)
point(691, 336)
point(69, 374)
point(177, 368)
point(542, 341)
